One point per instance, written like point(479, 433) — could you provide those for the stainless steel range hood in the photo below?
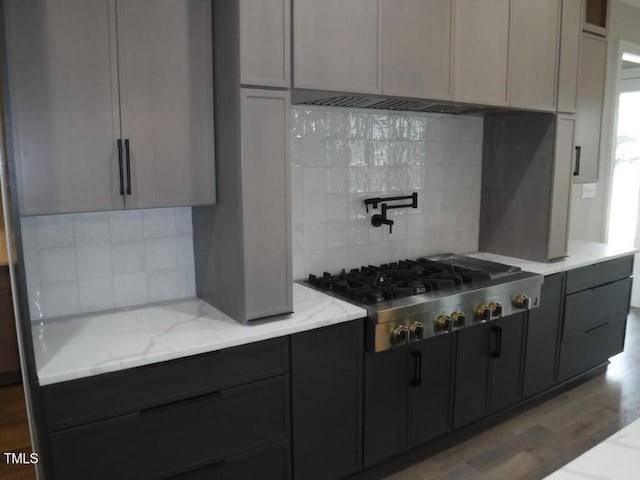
point(378, 102)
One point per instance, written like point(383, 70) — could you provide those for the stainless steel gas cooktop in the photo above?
point(411, 300)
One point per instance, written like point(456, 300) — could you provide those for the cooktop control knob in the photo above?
point(400, 334)
point(483, 312)
point(416, 330)
point(443, 322)
point(458, 318)
point(522, 301)
point(496, 309)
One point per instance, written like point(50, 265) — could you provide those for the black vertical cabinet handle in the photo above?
point(576, 172)
point(128, 155)
point(120, 168)
point(497, 351)
point(417, 369)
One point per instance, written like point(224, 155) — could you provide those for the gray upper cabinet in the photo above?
point(336, 45)
point(481, 44)
point(416, 48)
point(568, 65)
point(63, 96)
point(166, 79)
point(84, 74)
point(265, 30)
point(533, 53)
point(593, 60)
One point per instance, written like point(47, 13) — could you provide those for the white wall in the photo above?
point(589, 216)
point(342, 156)
point(95, 261)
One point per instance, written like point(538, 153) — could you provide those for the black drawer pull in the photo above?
point(576, 172)
point(597, 327)
point(417, 368)
point(128, 155)
point(120, 166)
point(497, 351)
point(180, 403)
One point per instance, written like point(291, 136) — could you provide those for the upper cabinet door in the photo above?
point(533, 53)
point(416, 48)
point(265, 32)
point(63, 94)
point(593, 61)
point(166, 90)
point(336, 45)
point(570, 35)
point(481, 47)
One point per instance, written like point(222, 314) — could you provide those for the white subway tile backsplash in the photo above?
point(130, 289)
point(126, 226)
point(184, 223)
point(161, 253)
point(159, 222)
point(59, 298)
point(58, 265)
point(94, 262)
point(86, 262)
point(28, 228)
point(54, 231)
point(340, 157)
point(128, 258)
point(96, 294)
point(91, 229)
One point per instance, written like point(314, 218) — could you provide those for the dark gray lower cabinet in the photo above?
point(223, 415)
point(488, 368)
point(543, 328)
point(407, 397)
point(271, 463)
point(595, 315)
point(326, 388)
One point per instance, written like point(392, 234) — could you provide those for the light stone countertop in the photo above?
point(617, 458)
point(581, 253)
point(87, 345)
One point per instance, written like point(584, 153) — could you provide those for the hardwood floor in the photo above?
point(528, 446)
point(533, 444)
point(14, 433)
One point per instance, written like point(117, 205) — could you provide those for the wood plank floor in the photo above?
point(14, 433)
point(537, 442)
point(528, 446)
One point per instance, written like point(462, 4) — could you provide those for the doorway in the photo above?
point(624, 206)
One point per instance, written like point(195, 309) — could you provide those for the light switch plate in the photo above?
point(589, 190)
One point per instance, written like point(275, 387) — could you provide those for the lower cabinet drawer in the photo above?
point(267, 464)
point(164, 441)
point(590, 349)
point(590, 308)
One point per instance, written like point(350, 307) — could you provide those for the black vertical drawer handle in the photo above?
point(128, 155)
point(497, 351)
point(417, 369)
point(120, 167)
point(576, 172)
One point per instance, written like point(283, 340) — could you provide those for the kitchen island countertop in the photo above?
point(581, 253)
point(87, 345)
point(617, 458)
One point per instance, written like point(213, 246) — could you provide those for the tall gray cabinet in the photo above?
point(242, 245)
point(111, 103)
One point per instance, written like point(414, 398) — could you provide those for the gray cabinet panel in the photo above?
point(598, 274)
point(593, 61)
point(265, 52)
point(266, 201)
point(63, 84)
point(336, 45)
point(570, 35)
point(166, 78)
point(533, 53)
